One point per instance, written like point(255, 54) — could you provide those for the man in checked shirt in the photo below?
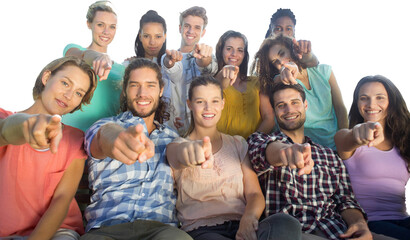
point(133, 193)
point(302, 178)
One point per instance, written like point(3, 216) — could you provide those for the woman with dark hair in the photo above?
point(242, 114)
point(376, 152)
point(151, 40)
point(326, 112)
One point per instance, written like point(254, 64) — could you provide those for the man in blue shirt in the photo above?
point(190, 60)
point(133, 193)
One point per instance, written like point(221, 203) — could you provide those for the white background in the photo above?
point(357, 38)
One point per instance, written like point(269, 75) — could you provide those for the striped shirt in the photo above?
point(124, 193)
point(316, 199)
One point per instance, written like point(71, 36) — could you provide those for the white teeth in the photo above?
point(291, 118)
point(143, 103)
point(372, 112)
point(208, 115)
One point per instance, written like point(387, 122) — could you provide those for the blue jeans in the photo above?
point(279, 226)
point(399, 229)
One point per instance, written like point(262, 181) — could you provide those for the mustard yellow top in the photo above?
point(241, 115)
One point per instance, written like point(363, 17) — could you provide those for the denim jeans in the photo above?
point(278, 226)
point(399, 229)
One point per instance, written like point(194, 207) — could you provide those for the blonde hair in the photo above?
point(104, 6)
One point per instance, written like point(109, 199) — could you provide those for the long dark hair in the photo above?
point(397, 123)
point(262, 65)
point(243, 68)
point(161, 115)
point(150, 17)
point(203, 80)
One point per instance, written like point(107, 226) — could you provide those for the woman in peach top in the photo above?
point(42, 160)
point(219, 196)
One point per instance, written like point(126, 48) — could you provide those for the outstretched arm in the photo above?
point(125, 145)
point(227, 76)
point(100, 62)
point(203, 54)
point(293, 155)
point(303, 50)
point(39, 130)
point(348, 140)
point(51, 221)
point(190, 153)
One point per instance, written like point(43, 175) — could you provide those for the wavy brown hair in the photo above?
point(161, 114)
point(243, 68)
point(263, 66)
point(397, 126)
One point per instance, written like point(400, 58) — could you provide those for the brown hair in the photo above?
point(58, 65)
point(243, 68)
point(203, 80)
point(263, 66)
point(161, 115)
point(397, 124)
point(194, 11)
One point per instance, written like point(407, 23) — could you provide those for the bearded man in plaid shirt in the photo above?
point(302, 178)
point(133, 188)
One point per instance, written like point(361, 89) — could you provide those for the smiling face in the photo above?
point(192, 29)
point(284, 26)
point(206, 105)
point(103, 30)
point(143, 92)
point(64, 90)
point(290, 109)
point(233, 51)
point(279, 55)
point(373, 102)
point(152, 37)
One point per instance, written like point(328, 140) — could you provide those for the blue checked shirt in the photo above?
point(316, 199)
point(124, 193)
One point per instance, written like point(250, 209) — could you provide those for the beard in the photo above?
point(142, 114)
point(291, 126)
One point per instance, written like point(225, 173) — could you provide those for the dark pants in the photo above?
point(139, 229)
point(278, 226)
point(399, 229)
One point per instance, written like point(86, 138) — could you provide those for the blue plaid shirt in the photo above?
point(124, 193)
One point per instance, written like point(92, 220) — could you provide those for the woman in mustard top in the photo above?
point(242, 114)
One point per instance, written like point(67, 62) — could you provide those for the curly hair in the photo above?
point(397, 120)
point(263, 66)
point(58, 65)
point(161, 114)
point(150, 17)
point(243, 68)
point(278, 14)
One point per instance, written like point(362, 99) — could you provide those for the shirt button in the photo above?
point(143, 194)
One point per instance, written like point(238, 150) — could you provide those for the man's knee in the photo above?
point(280, 226)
